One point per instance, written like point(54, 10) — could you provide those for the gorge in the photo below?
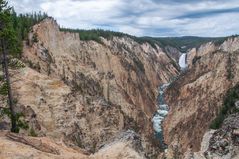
point(162, 107)
point(120, 97)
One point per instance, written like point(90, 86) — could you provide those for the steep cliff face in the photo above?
point(196, 97)
point(173, 53)
point(84, 92)
point(118, 63)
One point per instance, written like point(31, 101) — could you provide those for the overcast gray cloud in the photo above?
point(142, 17)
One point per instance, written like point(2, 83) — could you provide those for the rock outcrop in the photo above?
point(222, 143)
point(20, 146)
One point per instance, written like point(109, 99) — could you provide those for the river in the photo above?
point(162, 107)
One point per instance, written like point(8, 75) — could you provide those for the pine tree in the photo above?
point(8, 41)
point(13, 31)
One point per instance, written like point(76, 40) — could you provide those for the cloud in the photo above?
point(208, 13)
point(142, 17)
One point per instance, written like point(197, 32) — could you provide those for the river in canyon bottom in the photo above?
point(162, 107)
point(160, 114)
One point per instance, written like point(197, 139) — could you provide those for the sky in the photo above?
point(156, 18)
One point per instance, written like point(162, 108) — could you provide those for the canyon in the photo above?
point(118, 98)
point(85, 93)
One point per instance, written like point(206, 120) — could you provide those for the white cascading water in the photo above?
point(160, 114)
point(182, 61)
point(163, 107)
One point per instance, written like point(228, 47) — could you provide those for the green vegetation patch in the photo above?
point(32, 132)
point(34, 38)
point(19, 117)
point(228, 107)
point(4, 89)
point(1, 78)
point(95, 34)
point(21, 25)
point(15, 63)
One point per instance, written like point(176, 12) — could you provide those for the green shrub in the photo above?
point(16, 63)
point(20, 123)
point(1, 77)
point(4, 89)
point(216, 124)
point(32, 132)
point(34, 38)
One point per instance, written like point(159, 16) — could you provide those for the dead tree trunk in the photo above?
point(34, 142)
point(10, 97)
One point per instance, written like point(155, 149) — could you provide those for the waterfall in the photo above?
point(183, 61)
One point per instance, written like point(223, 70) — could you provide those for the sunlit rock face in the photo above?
point(85, 93)
point(196, 97)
